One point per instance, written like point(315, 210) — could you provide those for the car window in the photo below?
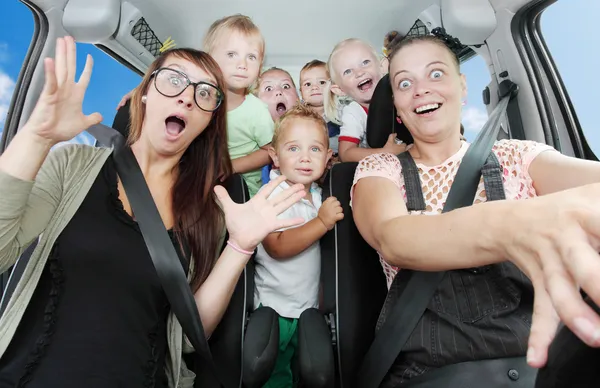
point(578, 68)
point(474, 113)
point(16, 32)
point(110, 81)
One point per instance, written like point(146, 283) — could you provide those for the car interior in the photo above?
point(336, 337)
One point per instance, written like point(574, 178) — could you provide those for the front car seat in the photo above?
point(354, 285)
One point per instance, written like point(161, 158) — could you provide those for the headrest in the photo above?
point(121, 122)
point(381, 120)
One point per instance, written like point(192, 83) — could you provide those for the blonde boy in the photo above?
point(288, 262)
point(237, 45)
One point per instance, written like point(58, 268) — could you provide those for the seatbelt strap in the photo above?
point(163, 254)
point(421, 286)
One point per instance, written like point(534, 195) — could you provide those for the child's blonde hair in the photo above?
point(298, 111)
point(330, 100)
point(233, 23)
point(254, 90)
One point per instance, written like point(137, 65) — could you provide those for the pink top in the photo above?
point(514, 156)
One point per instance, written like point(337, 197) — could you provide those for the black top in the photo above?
point(98, 315)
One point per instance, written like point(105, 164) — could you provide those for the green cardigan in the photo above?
point(43, 208)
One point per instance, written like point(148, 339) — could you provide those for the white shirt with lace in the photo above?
point(515, 157)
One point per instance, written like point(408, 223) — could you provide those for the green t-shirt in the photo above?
point(249, 127)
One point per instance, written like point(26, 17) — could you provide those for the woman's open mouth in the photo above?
point(174, 126)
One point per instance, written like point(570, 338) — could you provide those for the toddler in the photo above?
point(355, 71)
point(237, 45)
point(288, 262)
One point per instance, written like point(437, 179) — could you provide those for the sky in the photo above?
point(564, 26)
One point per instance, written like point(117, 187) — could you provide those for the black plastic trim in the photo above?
point(38, 41)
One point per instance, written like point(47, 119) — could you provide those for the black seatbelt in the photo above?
point(163, 254)
point(411, 304)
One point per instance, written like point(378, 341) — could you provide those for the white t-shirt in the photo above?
point(290, 286)
point(354, 125)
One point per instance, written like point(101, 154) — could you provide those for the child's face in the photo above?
point(312, 84)
point(239, 57)
point(302, 151)
point(277, 90)
point(356, 72)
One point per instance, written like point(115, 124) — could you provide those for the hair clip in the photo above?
point(385, 51)
point(167, 45)
point(453, 43)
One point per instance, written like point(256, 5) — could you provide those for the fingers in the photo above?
point(288, 223)
point(50, 82)
point(544, 322)
point(267, 189)
point(71, 58)
point(84, 79)
point(60, 59)
point(223, 197)
point(582, 262)
point(124, 100)
point(292, 195)
point(93, 119)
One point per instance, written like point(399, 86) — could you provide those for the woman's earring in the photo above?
point(464, 103)
point(144, 99)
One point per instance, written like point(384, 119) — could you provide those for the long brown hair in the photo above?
point(198, 218)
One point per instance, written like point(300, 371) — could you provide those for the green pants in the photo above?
point(282, 376)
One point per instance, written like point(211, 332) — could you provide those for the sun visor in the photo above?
point(91, 21)
point(471, 21)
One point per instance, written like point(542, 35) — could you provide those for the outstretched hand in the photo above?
point(249, 223)
point(58, 114)
point(556, 245)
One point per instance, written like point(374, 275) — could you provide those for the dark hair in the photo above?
point(442, 40)
point(198, 218)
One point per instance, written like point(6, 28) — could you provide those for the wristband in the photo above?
point(238, 249)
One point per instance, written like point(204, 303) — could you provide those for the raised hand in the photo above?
point(58, 114)
point(249, 223)
point(330, 212)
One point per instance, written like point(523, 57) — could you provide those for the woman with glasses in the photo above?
point(89, 310)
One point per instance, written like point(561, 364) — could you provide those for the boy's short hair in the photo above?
point(254, 88)
point(313, 64)
point(298, 111)
point(233, 23)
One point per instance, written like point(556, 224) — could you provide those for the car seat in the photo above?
point(382, 117)
point(354, 285)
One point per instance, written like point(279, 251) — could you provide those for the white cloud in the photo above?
point(473, 118)
point(7, 86)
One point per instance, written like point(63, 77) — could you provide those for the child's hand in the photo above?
point(392, 147)
point(330, 212)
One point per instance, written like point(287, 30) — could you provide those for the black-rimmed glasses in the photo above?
point(171, 83)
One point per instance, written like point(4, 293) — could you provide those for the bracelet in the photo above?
point(238, 249)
